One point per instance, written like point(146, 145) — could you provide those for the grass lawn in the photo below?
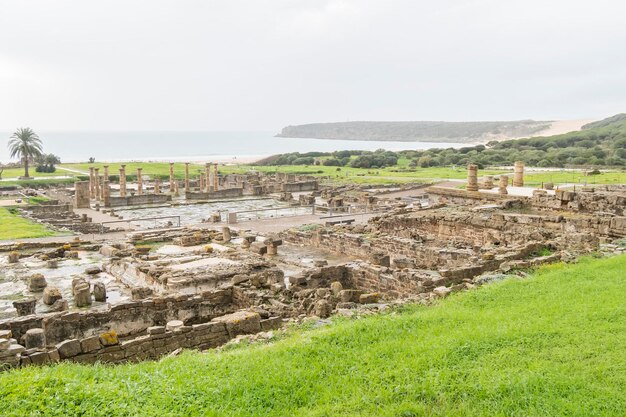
point(149, 168)
point(13, 226)
point(549, 345)
point(18, 172)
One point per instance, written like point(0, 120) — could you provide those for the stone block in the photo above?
point(99, 292)
point(241, 322)
point(36, 283)
point(349, 296)
point(35, 339)
point(51, 295)
point(322, 308)
point(69, 348)
point(156, 330)
point(25, 307)
point(109, 339)
point(336, 288)
point(90, 344)
point(369, 298)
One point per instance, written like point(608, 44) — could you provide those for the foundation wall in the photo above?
point(139, 200)
point(226, 193)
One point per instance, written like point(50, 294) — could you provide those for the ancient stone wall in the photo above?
point(292, 187)
point(126, 318)
point(225, 193)
point(81, 197)
point(138, 200)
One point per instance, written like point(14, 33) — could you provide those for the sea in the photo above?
point(228, 146)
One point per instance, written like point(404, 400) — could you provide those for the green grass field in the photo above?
point(13, 226)
point(549, 345)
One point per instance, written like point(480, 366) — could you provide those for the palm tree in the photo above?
point(26, 145)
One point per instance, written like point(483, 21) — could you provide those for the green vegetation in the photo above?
point(416, 131)
point(552, 344)
point(13, 226)
point(599, 144)
point(26, 145)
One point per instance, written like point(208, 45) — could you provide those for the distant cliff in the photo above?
point(465, 132)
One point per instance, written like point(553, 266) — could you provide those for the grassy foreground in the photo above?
point(549, 345)
point(13, 226)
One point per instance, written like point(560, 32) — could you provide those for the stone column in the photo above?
point(97, 183)
point(209, 178)
point(81, 194)
point(518, 174)
point(201, 182)
point(171, 177)
point(472, 177)
point(106, 173)
point(122, 180)
point(504, 182)
point(106, 192)
point(139, 182)
point(488, 183)
point(186, 177)
point(92, 186)
point(157, 186)
point(216, 178)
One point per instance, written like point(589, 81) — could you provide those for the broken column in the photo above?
point(201, 182)
point(157, 186)
point(139, 182)
point(518, 174)
point(51, 295)
point(216, 178)
point(186, 177)
point(209, 178)
point(99, 291)
point(25, 307)
point(92, 185)
point(472, 177)
point(82, 295)
point(171, 177)
point(81, 194)
point(96, 174)
point(37, 283)
point(106, 192)
point(226, 234)
point(488, 182)
point(105, 174)
point(122, 180)
point(504, 183)
point(272, 245)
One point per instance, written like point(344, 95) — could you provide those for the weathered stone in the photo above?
point(59, 305)
point(369, 298)
point(156, 330)
point(442, 291)
point(226, 234)
point(93, 270)
point(109, 338)
point(68, 348)
point(90, 344)
point(37, 282)
point(336, 288)
point(174, 325)
point(13, 257)
point(25, 307)
point(35, 339)
point(349, 295)
point(322, 308)
point(241, 322)
point(99, 292)
point(82, 295)
point(51, 295)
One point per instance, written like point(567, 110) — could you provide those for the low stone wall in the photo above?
point(225, 193)
point(589, 201)
point(139, 200)
point(126, 318)
point(292, 187)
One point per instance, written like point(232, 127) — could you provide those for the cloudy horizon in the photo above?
point(261, 65)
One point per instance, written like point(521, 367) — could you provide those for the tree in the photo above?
point(26, 145)
point(46, 162)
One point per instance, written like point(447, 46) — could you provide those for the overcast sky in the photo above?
point(264, 64)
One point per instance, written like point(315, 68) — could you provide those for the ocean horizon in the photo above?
point(79, 146)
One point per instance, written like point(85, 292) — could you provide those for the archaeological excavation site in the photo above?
point(143, 267)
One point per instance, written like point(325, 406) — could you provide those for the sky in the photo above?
point(264, 64)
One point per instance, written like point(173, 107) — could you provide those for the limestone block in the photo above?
point(90, 344)
point(349, 295)
point(226, 234)
point(13, 257)
point(36, 283)
point(369, 298)
point(258, 247)
point(93, 270)
point(51, 295)
point(109, 338)
point(322, 308)
point(241, 322)
point(442, 291)
point(35, 339)
point(336, 288)
point(69, 348)
point(156, 330)
point(99, 292)
point(174, 325)
point(82, 295)
point(25, 307)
